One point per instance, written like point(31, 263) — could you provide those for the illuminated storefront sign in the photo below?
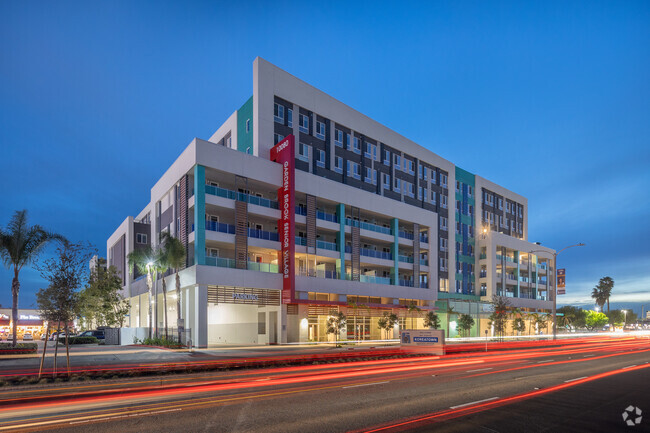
point(284, 153)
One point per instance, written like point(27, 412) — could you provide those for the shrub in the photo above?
point(7, 348)
point(80, 340)
point(162, 342)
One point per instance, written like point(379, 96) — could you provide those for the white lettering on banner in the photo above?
point(245, 296)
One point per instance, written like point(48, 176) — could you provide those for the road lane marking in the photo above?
point(629, 366)
point(473, 402)
point(577, 378)
point(365, 384)
point(588, 356)
point(480, 369)
point(125, 416)
point(548, 360)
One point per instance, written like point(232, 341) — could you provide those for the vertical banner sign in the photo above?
point(284, 153)
point(561, 282)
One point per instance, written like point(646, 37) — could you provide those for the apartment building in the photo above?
point(299, 206)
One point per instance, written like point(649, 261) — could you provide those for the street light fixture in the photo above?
point(624, 318)
point(555, 284)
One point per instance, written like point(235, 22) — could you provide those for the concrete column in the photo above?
point(283, 323)
point(340, 263)
point(199, 215)
point(395, 230)
point(200, 328)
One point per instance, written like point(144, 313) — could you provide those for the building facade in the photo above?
point(359, 219)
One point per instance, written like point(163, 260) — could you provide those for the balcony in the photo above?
point(331, 246)
point(483, 292)
point(368, 226)
point(251, 266)
point(405, 259)
point(482, 274)
point(230, 229)
point(371, 253)
point(226, 193)
point(483, 256)
point(321, 215)
point(405, 235)
point(406, 283)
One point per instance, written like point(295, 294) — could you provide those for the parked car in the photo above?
point(28, 337)
point(98, 334)
point(54, 336)
point(43, 336)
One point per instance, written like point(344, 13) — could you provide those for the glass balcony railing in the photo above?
point(368, 226)
point(482, 274)
point(542, 266)
point(222, 262)
point(405, 235)
point(424, 238)
point(317, 273)
point(374, 279)
point(424, 262)
point(483, 256)
point(406, 283)
point(322, 215)
point(262, 234)
point(233, 195)
point(218, 227)
point(371, 253)
point(301, 241)
point(483, 292)
point(331, 246)
point(301, 210)
point(405, 259)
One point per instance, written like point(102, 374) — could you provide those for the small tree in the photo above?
point(143, 259)
point(174, 255)
point(541, 321)
point(413, 310)
point(518, 325)
point(335, 325)
point(431, 320)
point(101, 302)
point(595, 320)
point(387, 322)
point(66, 273)
point(499, 317)
point(465, 323)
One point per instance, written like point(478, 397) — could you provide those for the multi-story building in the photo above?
point(375, 226)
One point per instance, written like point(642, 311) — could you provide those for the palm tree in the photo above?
point(174, 254)
point(143, 260)
point(532, 318)
point(20, 245)
point(603, 291)
point(413, 310)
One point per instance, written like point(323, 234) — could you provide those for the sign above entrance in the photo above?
point(284, 153)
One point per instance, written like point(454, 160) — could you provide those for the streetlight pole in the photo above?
point(555, 254)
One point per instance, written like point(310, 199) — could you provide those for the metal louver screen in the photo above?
point(243, 295)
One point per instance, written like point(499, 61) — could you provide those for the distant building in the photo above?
point(96, 262)
point(376, 220)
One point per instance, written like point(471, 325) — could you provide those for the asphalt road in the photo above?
point(582, 386)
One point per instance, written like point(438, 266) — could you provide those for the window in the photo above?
point(420, 171)
point(289, 117)
point(140, 238)
point(303, 152)
point(338, 138)
point(356, 145)
point(303, 126)
point(458, 227)
point(397, 186)
point(408, 189)
point(433, 177)
point(321, 158)
point(278, 113)
point(386, 157)
point(470, 229)
point(457, 186)
point(320, 130)
point(228, 142)
point(371, 176)
point(471, 210)
point(443, 201)
point(469, 190)
point(408, 166)
point(459, 206)
point(500, 203)
point(277, 138)
point(338, 164)
point(371, 151)
point(397, 162)
point(443, 223)
point(443, 180)
point(433, 197)
point(443, 265)
point(443, 244)
point(212, 252)
point(348, 142)
point(419, 193)
point(386, 181)
point(354, 170)
point(248, 125)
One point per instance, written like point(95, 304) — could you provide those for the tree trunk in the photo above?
point(15, 288)
point(56, 347)
point(155, 304)
point(150, 284)
point(178, 305)
point(164, 288)
point(67, 347)
point(608, 305)
point(47, 334)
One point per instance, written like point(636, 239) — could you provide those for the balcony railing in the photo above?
point(483, 292)
point(482, 274)
point(368, 226)
point(483, 256)
point(233, 195)
point(301, 241)
point(405, 235)
point(322, 215)
point(331, 246)
point(371, 253)
point(262, 234)
point(405, 259)
point(251, 266)
point(406, 283)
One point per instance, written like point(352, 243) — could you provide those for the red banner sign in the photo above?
point(284, 153)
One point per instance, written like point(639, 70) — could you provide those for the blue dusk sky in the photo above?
point(549, 99)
